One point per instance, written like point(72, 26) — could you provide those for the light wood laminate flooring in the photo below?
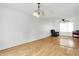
point(44, 47)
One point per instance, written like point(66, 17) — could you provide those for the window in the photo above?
point(66, 27)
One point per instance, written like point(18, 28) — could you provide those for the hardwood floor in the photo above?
point(45, 47)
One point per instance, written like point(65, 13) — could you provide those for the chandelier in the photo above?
point(38, 12)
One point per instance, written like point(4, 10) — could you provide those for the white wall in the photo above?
point(17, 27)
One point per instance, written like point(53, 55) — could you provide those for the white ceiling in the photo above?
point(51, 9)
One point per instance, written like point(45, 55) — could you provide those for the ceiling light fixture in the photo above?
point(38, 12)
